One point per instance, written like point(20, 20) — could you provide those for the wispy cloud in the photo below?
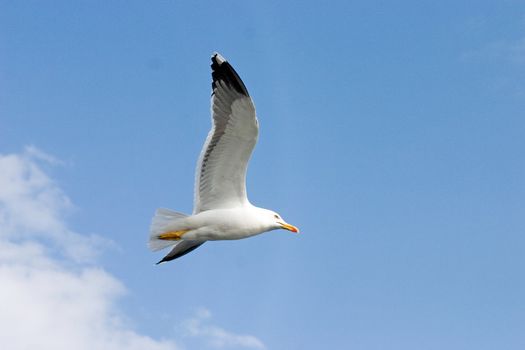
point(35, 153)
point(501, 51)
point(200, 326)
point(505, 59)
point(49, 302)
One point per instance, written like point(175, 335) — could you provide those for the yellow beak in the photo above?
point(289, 227)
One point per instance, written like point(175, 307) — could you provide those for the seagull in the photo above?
point(221, 209)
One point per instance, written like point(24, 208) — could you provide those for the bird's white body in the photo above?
point(221, 207)
point(225, 224)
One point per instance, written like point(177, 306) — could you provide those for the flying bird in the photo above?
point(221, 208)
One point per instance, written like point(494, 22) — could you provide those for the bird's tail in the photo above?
point(165, 220)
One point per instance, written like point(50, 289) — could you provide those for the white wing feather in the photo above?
point(220, 179)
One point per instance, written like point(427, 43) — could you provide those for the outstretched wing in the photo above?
point(220, 179)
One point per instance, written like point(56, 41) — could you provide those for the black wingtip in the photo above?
point(177, 252)
point(222, 70)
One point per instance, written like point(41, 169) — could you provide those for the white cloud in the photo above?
point(33, 207)
point(65, 301)
point(46, 302)
point(199, 326)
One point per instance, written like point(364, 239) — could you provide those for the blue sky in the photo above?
point(391, 135)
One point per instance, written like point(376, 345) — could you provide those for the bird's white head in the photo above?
point(274, 221)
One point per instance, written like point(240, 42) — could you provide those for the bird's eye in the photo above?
point(276, 216)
